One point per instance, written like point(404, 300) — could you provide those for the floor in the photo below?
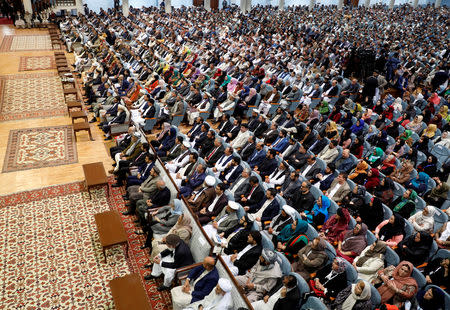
point(88, 151)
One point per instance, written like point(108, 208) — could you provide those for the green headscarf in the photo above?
point(412, 198)
point(378, 154)
point(408, 135)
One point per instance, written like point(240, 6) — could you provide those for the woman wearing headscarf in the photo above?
point(243, 104)
point(419, 183)
point(391, 231)
point(290, 235)
point(354, 297)
point(304, 113)
point(359, 175)
point(403, 174)
point(443, 139)
point(367, 116)
point(430, 131)
point(311, 258)
point(429, 166)
point(397, 285)
point(331, 131)
point(358, 127)
point(347, 121)
point(162, 220)
point(385, 190)
point(388, 165)
point(370, 261)
point(442, 236)
point(352, 242)
point(406, 135)
point(392, 130)
point(373, 214)
point(430, 299)
point(379, 140)
point(345, 139)
point(416, 124)
point(182, 229)
point(438, 194)
point(324, 108)
point(423, 221)
point(397, 149)
point(376, 157)
point(336, 224)
point(437, 271)
point(406, 204)
point(411, 155)
point(319, 212)
point(373, 180)
point(279, 222)
point(335, 114)
point(422, 144)
point(355, 200)
point(329, 280)
point(357, 147)
point(416, 248)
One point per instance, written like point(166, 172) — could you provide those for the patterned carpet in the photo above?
point(31, 63)
point(50, 251)
point(31, 95)
point(33, 148)
point(51, 257)
point(18, 43)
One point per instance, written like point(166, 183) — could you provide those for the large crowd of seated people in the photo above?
point(317, 137)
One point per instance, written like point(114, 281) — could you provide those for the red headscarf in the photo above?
point(373, 180)
point(334, 226)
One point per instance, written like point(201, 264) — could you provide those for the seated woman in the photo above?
point(423, 221)
point(355, 200)
point(352, 242)
point(419, 183)
point(182, 229)
point(279, 222)
point(385, 190)
point(336, 224)
point(310, 258)
point(396, 284)
point(430, 131)
point(429, 166)
point(391, 231)
point(372, 215)
point(442, 236)
point(329, 280)
point(405, 205)
point(370, 261)
point(403, 174)
point(430, 299)
point(331, 131)
point(319, 212)
point(397, 149)
point(437, 272)
point(373, 180)
point(411, 155)
point(355, 296)
point(376, 157)
point(438, 194)
point(359, 175)
point(291, 239)
point(416, 248)
point(358, 127)
point(162, 220)
point(388, 165)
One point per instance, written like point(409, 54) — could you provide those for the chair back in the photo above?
point(390, 257)
point(419, 277)
point(285, 265)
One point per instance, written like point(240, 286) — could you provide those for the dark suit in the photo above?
point(257, 196)
point(270, 136)
point(312, 172)
point(192, 183)
point(267, 166)
point(218, 207)
point(269, 213)
point(182, 256)
point(290, 301)
point(204, 199)
point(161, 198)
point(247, 151)
point(260, 129)
point(224, 127)
point(248, 260)
point(205, 285)
point(256, 158)
point(211, 159)
point(236, 173)
point(302, 202)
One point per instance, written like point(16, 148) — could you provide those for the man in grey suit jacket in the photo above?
point(175, 151)
point(290, 186)
point(137, 192)
point(226, 219)
point(240, 186)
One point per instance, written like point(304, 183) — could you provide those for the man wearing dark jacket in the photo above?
point(303, 199)
point(284, 295)
point(199, 283)
point(176, 255)
point(253, 195)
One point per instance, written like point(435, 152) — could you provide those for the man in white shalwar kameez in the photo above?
point(218, 299)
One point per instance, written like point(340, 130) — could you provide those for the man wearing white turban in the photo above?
point(218, 299)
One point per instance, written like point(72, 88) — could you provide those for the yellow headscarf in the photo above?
point(430, 131)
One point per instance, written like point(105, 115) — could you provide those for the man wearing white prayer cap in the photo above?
point(219, 299)
point(202, 198)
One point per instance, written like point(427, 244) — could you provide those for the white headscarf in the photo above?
point(352, 299)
